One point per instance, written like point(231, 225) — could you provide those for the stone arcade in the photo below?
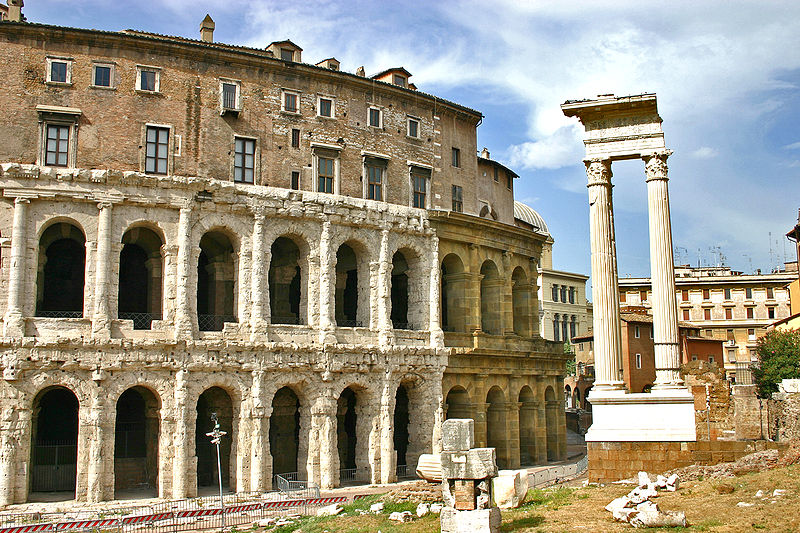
point(319, 257)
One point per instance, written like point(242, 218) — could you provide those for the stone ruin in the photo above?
point(467, 474)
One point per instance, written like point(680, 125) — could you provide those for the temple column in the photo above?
point(14, 325)
point(605, 285)
point(101, 321)
point(662, 273)
point(434, 321)
point(184, 326)
point(258, 274)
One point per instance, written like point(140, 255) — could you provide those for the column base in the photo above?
point(663, 415)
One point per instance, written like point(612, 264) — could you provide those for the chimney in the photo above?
point(15, 11)
point(360, 72)
point(206, 29)
point(485, 153)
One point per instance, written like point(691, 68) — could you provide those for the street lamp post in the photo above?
point(216, 434)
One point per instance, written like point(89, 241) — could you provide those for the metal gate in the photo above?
point(54, 467)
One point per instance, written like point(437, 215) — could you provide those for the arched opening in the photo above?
point(527, 426)
point(62, 264)
point(352, 286)
point(576, 398)
point(520, 297)
point(216, 282)
point(568, 396)
point(136, 442)
point(347, 440)
point(285, 285)
point(551, 421)
point(453, 294)
point(496, 436)
point(491, 299)
point(214, 400)
point(399, 292)
point(54, 450)
point(458, 403)
point(401, 425)
point(140, 277)
point(284, 433)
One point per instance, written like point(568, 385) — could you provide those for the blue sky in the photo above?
point(727, 75)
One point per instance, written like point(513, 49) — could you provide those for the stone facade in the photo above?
point(173, 247)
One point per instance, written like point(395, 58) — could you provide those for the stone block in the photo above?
point(789, 385)
point(477, 463)
point(509, 489)
point(479, 521)
point(458, 434)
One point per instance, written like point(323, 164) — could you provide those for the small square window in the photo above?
point(230, 91)
point(103, 75)
point(399, 80)
point(291, 102)
point(458, 201)
point(686, 314)
point(295, 180)
point(148, 79)
point(287, 54)
point(456, 157)
point(156, 150)
point(375, 119)
point(707, 314)
point(636, 332)
point(748, 293)
point(325, 107)
point(59, 70)
point(638, 360)
point(295, 138)
point(244, 160)
point(413, 127)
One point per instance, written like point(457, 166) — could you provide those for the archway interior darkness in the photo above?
point(551, 415)
point(399, 292)
point(458, 403)
point(520, 302)
point(284, 282)
point(491, 302)
point(346, 287)
point(568, 396)
point(62, 260)
point(284, 431)
point(346, 429)
point(496, 425)
point(213, 400)
point(454, 309)
point(401, 421)
point(136, 441)
point(54, 454)
point(216, 282)
point(527, 426)
point(140, 277)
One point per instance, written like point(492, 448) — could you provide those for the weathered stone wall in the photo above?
point(697, 375)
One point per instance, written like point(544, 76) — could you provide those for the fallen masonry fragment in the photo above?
point(638, 509)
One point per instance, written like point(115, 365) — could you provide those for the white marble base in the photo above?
point(663, 415)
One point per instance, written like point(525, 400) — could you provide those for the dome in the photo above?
point(526, 214)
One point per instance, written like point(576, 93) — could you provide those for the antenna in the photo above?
point(771, 253)
point(749, 262)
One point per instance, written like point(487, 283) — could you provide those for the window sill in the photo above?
point(229, 111)
point(326, 117)
point(291, 113)
point(148, 93)
point(102, 87)
point(59, 83)
point(412, 138)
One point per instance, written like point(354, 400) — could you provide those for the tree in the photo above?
point(778, 358)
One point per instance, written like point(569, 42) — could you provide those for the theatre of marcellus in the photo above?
point(319, 257)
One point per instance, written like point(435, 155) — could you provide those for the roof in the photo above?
point(648, 319)
point(287, 41)
point(526, 214)
point(498, 164)
point(393, 69)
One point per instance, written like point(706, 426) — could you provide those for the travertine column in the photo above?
point(96, 468)
point(183, 315)
point(326, 286)
point(384, 295)
point(324, 419)
point(15, 429)
point(259, 419)
point(180, 465)
point(435, 326)
point(14, 326)
point(605, 291)
point(257, 276)
point(662, 273)
point(473, 291)
point(388, 457)
point(101, 320)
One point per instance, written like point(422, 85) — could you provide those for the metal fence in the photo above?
point(744, 373)
point(295, 488)
point(140, 320)
point(60, 314)
point(554, 474)
point(347, 474)
point(213, 322)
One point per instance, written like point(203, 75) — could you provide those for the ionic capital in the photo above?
point(655, 165)
point(598, 171)
point(21, 200)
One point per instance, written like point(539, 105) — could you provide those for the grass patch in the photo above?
point(522, 522)
point(550, 498)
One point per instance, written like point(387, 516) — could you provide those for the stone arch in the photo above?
point(520, 297)
point(407, 292)
point(454, 281)
point(459, 403)
point(215, 399)
point(568, 396)
point(61, 270)
point(217, 279)
point(491, 299)
point(496, 430)
point(352, 284)
point(551, 423)
point(136, 441)
point(141, 275)
point(284, 433)
point(353, 428)
point(288, 279)
point(527, 426)
point(54, 441)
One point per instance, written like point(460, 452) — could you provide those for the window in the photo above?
point(57, 145)
point(325, 169)
point(295, 138)
point(287, 54)
point(458, 199)
point(148, 79)
point(573, 326)
point(686, 314)
point(413, 127)
point(651, 332)
point(623, 297)
point(706, 294)
point(729, 334)
point(694, 357)
point(555, 293)
point(103, 75)
point(709, 332)
point(572, 295)
point(295, 181)
point(496, 175)
point(732, 355)
point(509, 181)
point(230, 95)
point(399, 80)
point(770, 312)
point(638, 360)
point(636, 332)
point(684, 295)
point(325, 107)
point(374, 181)
point(290, 102)
point(642, 296)
point(419, 184)
point(710, 358)
point(770, 293)
point(556, 329)
point(156, 150)
point(456, 156)
point(748, 293)
point(751, 334)
point(59, 70)
point(244, 160)
point(728, 313)
point(564, 293)
point(727, 294)
point(374, 117)
point(707, 314)
point(749, 312)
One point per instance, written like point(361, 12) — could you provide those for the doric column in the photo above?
point(98, 445)
point(326, 286)
point(180, 465)
point(259, 419)
point(384, 283)
point(323, 420)
point(388, 458)
point(14, 325)
point(15, 436)
point(473, 290)
point(605, 291)
point(101, 320)
point(183, 314)
point(435, 325)
point(257, 276)
point(662, 273)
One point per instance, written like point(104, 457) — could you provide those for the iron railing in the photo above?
point(59, 314)
point(744, 373)
point(295, 488)
point(402, 325)
point(54, 467)
point(140, 320)
point(347, 474)
point(214, 322)
point(295, 320)
point(349, 323)
point(402, 472)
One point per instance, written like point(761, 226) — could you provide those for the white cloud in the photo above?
point(704, 152)
point(552, 151)
point(793, 146)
